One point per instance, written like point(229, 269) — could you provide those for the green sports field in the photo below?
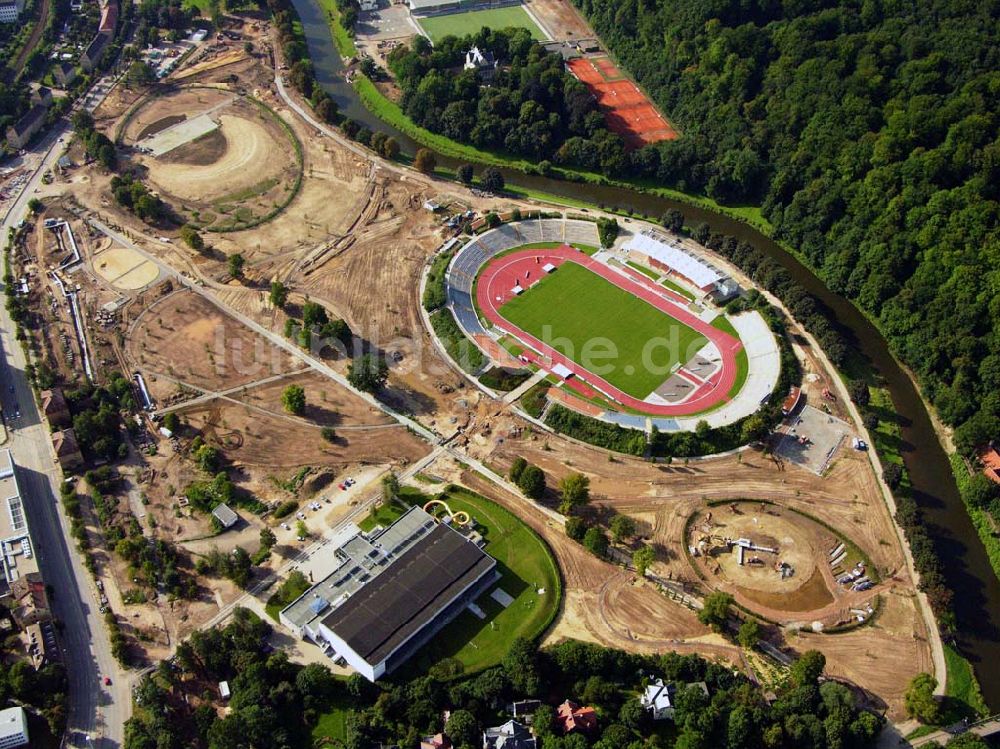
point(463, 24)
point(581, 306)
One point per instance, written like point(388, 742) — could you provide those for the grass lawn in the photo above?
point(464, 24)
point(332, 725)
point(591, 307)
point(526, 565)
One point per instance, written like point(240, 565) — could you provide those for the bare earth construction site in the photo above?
point(813, 551)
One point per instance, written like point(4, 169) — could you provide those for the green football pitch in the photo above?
point(581, 307)
point(464, 24)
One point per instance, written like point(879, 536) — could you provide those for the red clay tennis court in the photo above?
point(627, 110)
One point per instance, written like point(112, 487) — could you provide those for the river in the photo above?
point(966, 566)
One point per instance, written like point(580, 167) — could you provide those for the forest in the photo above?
point(867, 133)
point(531, 106)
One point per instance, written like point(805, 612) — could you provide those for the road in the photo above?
point(94, 710)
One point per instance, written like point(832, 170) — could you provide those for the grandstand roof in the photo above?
point(687, 265)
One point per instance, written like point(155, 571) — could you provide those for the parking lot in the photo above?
point(812, 438)
point(393, 22)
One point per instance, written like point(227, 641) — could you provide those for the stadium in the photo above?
point(631, 334)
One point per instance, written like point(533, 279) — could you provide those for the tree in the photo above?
point(749, 633)
point(808, 668)
point(235, 264)
point(329, 434)
point(279, 294)
point(576, 528)
point(574, 491)
point(139, 74)
point(642, 558)
point(208, 458)
point(465, 173)
point(622, 528)
point(595, 542)
point(521, 666)
point(36, 206)
point(920, 700)
point(390, 487)
point(368, 373)
point(607, 230)
point(532, 482)
point(492, 180)
point(892, 474)
point(462, 728)
point(328, 110)
point(267, 538)
point(516, 469)
point(858, 390)
point(301, 530)
point(425, 161)
point(171, 421)
point(390, 148)
point(191, 237)
point(293, 398)
point(672, 219)
point(715, 609)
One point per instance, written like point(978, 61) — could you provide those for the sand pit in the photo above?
point(125, 268)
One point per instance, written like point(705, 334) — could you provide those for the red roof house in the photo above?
point(572, 718)
point(990, 458)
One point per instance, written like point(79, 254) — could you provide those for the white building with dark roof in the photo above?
point(391, 591)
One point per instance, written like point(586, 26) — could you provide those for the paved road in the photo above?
point(94, 709)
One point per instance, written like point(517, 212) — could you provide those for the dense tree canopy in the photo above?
point(868, 133)
point(531, 107)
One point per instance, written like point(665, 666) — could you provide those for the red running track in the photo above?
point(498, 277)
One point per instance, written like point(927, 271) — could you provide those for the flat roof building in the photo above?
point(17, 553)
point(391, 591)
point(11, 10)
point(225, 515)
point(13, 728)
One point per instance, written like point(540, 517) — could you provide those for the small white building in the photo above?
point(224, 692)
point(13, 728)
point(225, 515)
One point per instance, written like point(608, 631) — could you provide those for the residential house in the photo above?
point(41, 95)
point(658, 699)
point(91, 56)
point(67, 450)
point(574, 718)
point(64, 73)
point(437, 741)
point(483, 62)
point(30, 602)
point(55, 408)
point(511, 735)
point(524, 709)
point(21, 131)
